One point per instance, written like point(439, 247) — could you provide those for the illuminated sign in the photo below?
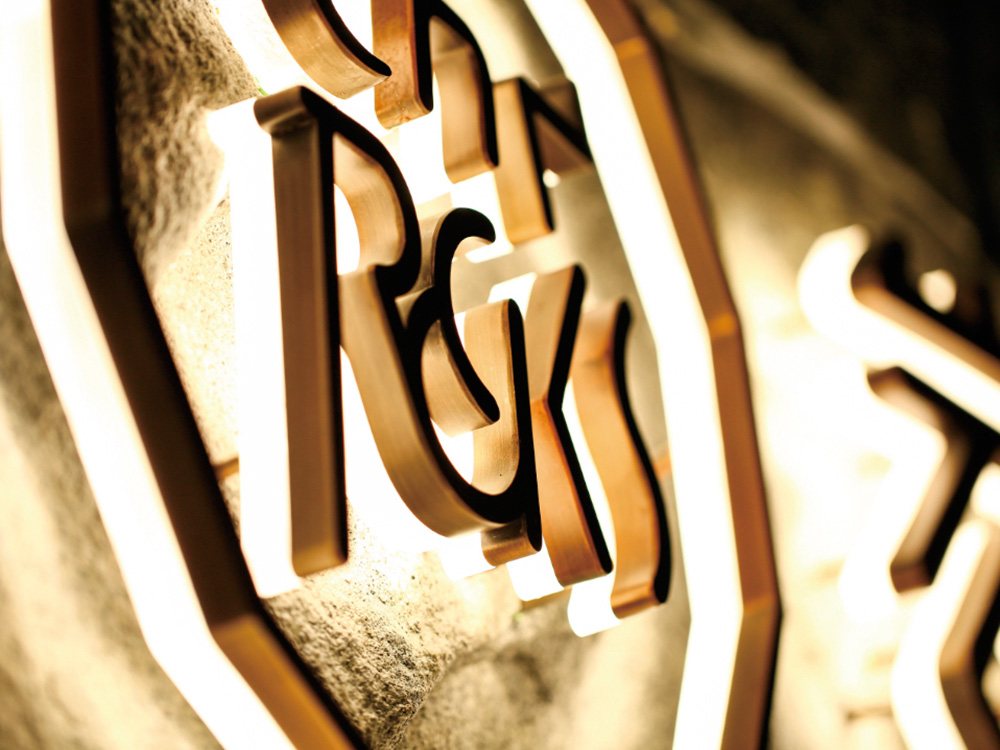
point(579, 489)
point(934, 354)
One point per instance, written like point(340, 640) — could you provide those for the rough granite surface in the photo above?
point(174, 64)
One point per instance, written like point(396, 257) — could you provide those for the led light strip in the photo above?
point(642, 159)
point(152, 480)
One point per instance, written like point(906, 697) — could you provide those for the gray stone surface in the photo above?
point(174, 63)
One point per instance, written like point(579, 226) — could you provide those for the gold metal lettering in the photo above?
point(534, 137)
point(416, 38)
point(310, 319)
point(879, 282)
point(969, 447)
point(642, 559)
point(321, 43)
point(947, 548)
point(398, 326)
point(756, 648)
point(572, 535)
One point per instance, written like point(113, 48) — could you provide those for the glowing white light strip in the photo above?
point(985, 498)
point(826, 297)
point(685, 363)
point(918, 700)
point(265, 503)
point(92, 396)
point(253, 35)
point(589, 608)
point(915, 451)
point(533, 577)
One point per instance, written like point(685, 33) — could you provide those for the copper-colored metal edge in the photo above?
point(533, 137)
point(753, 671)
point(642, 555)
point(879, 282)
point(321, 43)
point(570, 527)
point(421, 39)
point(92, 209)
point(310, 321)
point(969, 446)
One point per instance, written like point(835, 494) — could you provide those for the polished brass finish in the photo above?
point(420, 37)
point(969, 644)
point(307, 274)
point(969, 447)
point(534, 137)
point(642, 556)
point(570, 528)
point(879, 282)
point(398, 318)
point(94, 220)
point(456, 396)
point(753, 671)
point(324, 47)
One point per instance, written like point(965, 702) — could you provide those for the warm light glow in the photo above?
point(357, 16)
point(938, 289)
point(517, 289)
point(480, 193)
point(346, 234)
point(533, 577)
point(92, 396)
point(371, 496)
point(985, 500)
point(253, 35)
point(265, 504)
point(373, 499)
point(915, 451)
point(668, 295)
point(918, 702)
point(264, 507)
point(417, 149)
point(826, 297)
point(462, 556)
point(419, 153)
point(265, 520)
point(589, 608)
point(274, 68)
point(112, 452)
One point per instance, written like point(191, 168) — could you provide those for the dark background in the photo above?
point(922, 77)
